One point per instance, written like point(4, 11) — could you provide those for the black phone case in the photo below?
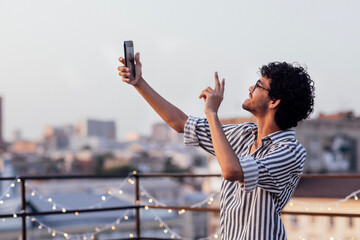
point(129, 58)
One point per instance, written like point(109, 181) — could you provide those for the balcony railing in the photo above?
point(24, 214)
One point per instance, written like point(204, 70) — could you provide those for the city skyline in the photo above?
point(59, 59)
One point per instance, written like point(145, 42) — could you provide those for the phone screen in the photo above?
point(129, 58)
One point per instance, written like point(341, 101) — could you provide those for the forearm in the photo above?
point(228, 160)
point(173, 116)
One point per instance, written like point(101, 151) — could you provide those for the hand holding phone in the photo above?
point(129, 58)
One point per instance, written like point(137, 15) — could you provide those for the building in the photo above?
point(57, 138)
point(2, 145)
point(162, 133)
point(331, 142)
point(96, 128)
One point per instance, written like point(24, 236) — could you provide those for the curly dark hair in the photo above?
point(293, 86)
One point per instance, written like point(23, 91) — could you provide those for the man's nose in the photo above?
point(251, 88)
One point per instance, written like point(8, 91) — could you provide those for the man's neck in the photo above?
point(266, 126)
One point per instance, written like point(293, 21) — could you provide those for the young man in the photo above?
point(261, 163)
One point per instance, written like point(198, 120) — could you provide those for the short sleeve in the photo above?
point(275, 171)
point(197, 133)
point(251, 173)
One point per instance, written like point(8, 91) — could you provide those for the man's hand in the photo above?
point(124, 72)
point(213, 97)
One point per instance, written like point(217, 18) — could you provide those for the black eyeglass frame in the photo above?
point(258, 86)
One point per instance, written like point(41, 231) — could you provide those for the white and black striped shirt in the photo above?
point(251, 210)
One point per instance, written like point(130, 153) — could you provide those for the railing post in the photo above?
point(137, 202)
point(23, 208)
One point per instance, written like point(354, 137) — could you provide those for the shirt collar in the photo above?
point(276, 136)
point(281, 135)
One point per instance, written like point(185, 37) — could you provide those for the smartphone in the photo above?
point(129, 58)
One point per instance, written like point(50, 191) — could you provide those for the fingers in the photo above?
point(137, 58)
point(204, 94)
point(222, 86)
point(122, 60)
point(217, 83)
point(124, 74)
point(123, 71)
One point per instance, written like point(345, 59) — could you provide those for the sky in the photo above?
point(58, 59)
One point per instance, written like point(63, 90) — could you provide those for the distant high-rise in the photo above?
point(1, 126)
point(96, 128)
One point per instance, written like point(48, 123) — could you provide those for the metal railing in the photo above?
point(24, 214)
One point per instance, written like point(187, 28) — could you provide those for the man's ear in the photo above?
point(274, 103)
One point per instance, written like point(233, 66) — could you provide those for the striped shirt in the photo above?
point(251, 210)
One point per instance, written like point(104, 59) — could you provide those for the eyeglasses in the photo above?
point(258, 86)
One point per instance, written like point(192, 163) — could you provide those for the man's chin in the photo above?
point(245, 105)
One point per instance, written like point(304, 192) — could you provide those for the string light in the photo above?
point(6, 193)
point(312, 237)
point(328, 205)
point(151, 200)
point(54, 232)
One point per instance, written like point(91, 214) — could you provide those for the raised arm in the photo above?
point(172, 115)
point(225, 154)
